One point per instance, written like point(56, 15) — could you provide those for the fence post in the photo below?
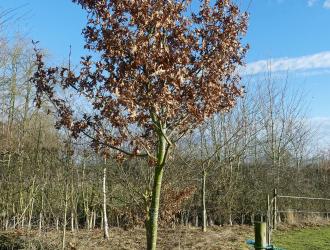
point(260, 235)
point(274, 209)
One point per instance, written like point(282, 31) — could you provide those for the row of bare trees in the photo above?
point(223, 169)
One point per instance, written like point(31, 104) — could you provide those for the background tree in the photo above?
point(154, 73)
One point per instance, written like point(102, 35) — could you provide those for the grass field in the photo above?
point(316, 238)
point(222, 238)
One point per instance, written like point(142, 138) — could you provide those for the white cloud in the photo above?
point(319, 61)
point(311, 3)
point(326, 4)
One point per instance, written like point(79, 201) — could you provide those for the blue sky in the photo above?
point(294, 35)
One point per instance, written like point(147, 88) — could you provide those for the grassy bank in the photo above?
point(314, 238)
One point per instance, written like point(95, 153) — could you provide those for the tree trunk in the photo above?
point(230, 219)
point(90, 221)
point(93, 219)
point(210, 221)
point(72, 222)
point(41, 211)
point(105, 219)
point(22, 221)
point(154, 209)
point(40, 222)
point(196, 220)
point(6, 223)
point(204, 216)
point(14, 217)
point(181, 218)
point(56, 223)
point(30, 214)
point(64, 217)
point(118, 224)
point(14, 222)
point(152, 223)
point(186, 221)
point(102, 222)
point(76, 221)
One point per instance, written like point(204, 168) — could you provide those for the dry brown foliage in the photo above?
point(152, 64)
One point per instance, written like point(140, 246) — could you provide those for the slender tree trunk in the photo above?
point(230, 219)
point(105, 219)
point(252, 219)
point(6, 223)
point(72, 221)
point(102, 221)
point(85, 199)
point(72, 202)
point(64, 217)
point(56, 223)
point(14, 222)
point(31, 198)
point(76, 221)
point(186, 221)
point(13, 93)
point(40, 222)
point(196, 220)
point(154, 209)
point(14, 217)
point(204, 216)
point(22, 221)
point(152, 224)
point(210, 221)
point(7, 215)
point(41, 211)
point(89, 221)
point(117, 218)
point(31, 214)
point(94, 219)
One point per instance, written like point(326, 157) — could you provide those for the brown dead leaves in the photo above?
point(150, 58)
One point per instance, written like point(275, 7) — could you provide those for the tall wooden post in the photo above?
point(260, 235)
point(275, 209)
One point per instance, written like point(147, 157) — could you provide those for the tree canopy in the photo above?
point(152, 64)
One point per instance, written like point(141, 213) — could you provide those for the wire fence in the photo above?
point(273, 211)
point(302, 197)
point(303, 211)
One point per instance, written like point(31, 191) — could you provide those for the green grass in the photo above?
point(303, 239)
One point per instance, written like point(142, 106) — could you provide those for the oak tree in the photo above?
point(155, 70)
